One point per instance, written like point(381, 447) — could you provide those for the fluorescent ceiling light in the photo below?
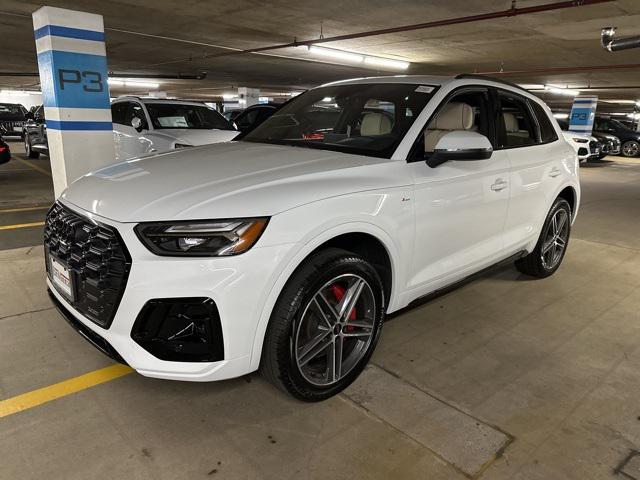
point(19, 93)
point(635, 116)
point(132, 83)
point(561, 116)
point(339, 54)
point(386, 62)
point(351, 57)
point(229, 96)
point(562, 91)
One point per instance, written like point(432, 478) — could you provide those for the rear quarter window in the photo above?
point(547, 132)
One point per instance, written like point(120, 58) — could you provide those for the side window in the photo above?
point(468, 110)
point(246, 119)
point(547, 132)
point(516, 128)
point(118, 111)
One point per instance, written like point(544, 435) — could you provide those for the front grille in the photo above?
point(8, 126)
point(96, 257)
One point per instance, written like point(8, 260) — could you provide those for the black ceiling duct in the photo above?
point(607, 41)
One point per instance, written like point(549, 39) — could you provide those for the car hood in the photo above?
point(192, 136)
point(226, 180)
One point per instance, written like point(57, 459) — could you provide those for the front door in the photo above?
point(460, 206)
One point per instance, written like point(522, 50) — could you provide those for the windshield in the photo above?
point(366, 119)
point(176, 115)
point(12, 110)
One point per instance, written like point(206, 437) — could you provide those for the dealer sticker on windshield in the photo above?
point(424, 89)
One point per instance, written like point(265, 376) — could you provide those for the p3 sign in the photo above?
point(583, 114)
point(75, 80)
point(90, 81)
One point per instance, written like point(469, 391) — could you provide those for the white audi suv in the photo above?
point(283, 251)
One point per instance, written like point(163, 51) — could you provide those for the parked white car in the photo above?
point(143, 126)
point(284, 251)
point(587, 147)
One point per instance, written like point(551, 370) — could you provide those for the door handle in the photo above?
point(499, 184)
point(555, 171)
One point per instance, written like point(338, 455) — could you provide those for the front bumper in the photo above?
point(238, 285)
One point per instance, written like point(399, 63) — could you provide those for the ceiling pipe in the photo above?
point(560, 70)
point(608, 43)
point(510, 12)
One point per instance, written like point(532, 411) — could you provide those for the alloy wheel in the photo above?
point(555, 240)
point(631, 149)
point(335, 330)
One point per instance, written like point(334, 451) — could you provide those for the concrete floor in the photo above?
point(503, 378)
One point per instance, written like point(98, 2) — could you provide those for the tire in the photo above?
point(27, 148)
point(537, 265)
point(630, 149)
point(305, 334)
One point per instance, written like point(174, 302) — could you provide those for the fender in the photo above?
point(303, 251)
point(576, 191)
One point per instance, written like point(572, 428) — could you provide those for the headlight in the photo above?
point(580, 140)
point(182, 145)
point(207, 238)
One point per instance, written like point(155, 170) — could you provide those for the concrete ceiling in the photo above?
point(162, 36)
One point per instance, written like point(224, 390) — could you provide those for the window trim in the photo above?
point(537, 120)
point(527, 101)
point(413, 156)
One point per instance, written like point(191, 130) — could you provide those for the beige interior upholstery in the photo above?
point(374, 123)
point(512, 127)
point(454, 116)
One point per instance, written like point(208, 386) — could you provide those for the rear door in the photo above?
point(535, 155)
point(460, 206)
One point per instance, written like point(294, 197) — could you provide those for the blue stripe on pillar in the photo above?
point(78, 125)
point(68, 32)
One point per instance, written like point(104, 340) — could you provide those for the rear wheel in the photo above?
point(631, 149)
point(547, 256)
point(28, 150)
point(324, 326)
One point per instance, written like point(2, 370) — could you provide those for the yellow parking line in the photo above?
point(35, 167)
point(21, 225)
point(52, 392)
point(25, 209)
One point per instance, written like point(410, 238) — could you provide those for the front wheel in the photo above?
point(631, 148)
point(547, 256)
point(325, 326)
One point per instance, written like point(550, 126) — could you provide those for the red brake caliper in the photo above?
point(338, 292)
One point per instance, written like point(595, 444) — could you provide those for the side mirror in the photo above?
point(137, 123)
point(460, 145)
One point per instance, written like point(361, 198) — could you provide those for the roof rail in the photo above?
point(491, 79)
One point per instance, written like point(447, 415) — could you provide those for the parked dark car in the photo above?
point(232, 114)
point(630, 140)
point(5, 152)
point(35, 133)
point(12, 118)
point(254, 115)
point(610, 144)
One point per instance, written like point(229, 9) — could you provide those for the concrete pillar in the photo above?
point(73, 75)
point(248, 96)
